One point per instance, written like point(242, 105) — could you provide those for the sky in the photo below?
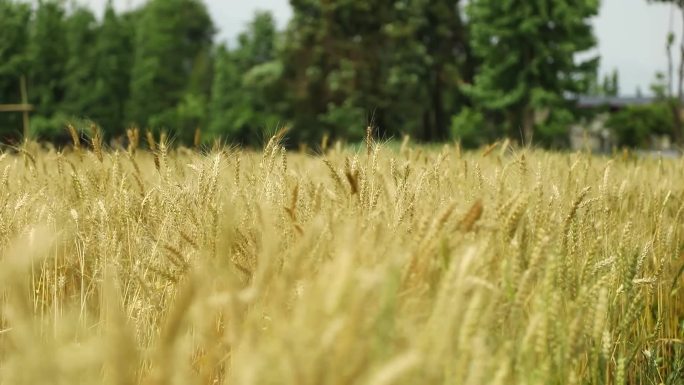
point(631, 33)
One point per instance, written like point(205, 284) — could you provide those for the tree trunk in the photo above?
point(528, 125)
point(440, 127)
point(427, 127)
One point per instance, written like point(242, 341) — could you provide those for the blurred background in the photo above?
point(571, 74)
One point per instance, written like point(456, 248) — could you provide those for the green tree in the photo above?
point(335, 64)
point(114, 58)
point(172, 45)
point(392, 64)
point(47, 69)
point(611, 84)
point(257, 45)
point(225, 95)
point(442, 36)
point(528, 57)
point(675, 100)
point(14, 58)
point(245, 95)
point(80, 67)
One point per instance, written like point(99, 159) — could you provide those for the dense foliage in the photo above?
point(527, 51)
point(635, 125)
point(431, 69)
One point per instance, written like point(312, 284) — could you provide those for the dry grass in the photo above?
point(382, 267)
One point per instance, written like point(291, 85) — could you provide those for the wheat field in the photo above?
point(375, 266)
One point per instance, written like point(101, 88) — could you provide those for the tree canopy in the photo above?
point(528, 56)
point(432, 69)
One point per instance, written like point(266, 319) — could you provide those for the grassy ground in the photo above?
point(387, 266)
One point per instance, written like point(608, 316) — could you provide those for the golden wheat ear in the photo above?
point(471, 217)
point(96, 142)
point(75, 137)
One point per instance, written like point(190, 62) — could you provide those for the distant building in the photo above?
point(613, 102)
point(593, 134)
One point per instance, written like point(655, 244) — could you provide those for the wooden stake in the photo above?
point(24, 100)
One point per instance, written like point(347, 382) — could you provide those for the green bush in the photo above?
point(345, 120)
point(48, 128)
point(468, 127)
point(634, 125)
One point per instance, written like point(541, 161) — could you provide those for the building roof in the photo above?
point(613, 101)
